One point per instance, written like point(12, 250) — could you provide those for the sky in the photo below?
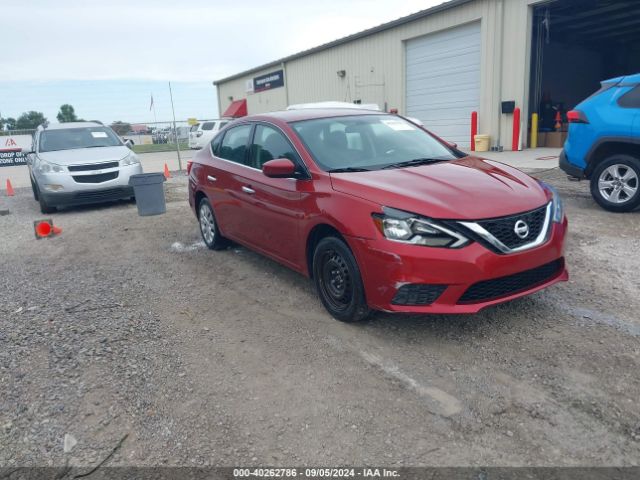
point(108, 57)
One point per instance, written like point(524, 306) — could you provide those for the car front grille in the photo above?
point(509, 285)
point(94, 166)
point(418, 294)
point(99, 178)
point(504, 228)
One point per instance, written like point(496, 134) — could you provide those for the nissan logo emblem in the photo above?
point(522, 229)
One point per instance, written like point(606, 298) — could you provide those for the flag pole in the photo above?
point(175, 129)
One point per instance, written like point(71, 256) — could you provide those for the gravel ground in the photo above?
point(125, 327)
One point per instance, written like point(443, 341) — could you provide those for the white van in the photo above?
point(201, 133)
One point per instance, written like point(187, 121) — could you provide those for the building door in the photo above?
point(443, 81)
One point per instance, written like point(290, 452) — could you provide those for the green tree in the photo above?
point(7, 123)
point(67, 114)
point(30, 120)
point(121, 128)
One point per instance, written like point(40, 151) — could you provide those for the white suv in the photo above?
point(79, 163)
point(202, 133)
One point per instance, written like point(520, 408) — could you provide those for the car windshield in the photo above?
point(72, 138)
point(369, 142)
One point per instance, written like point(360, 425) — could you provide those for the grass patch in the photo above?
point(160, 147)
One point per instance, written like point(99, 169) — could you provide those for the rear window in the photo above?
point(603, 88)
point(208, 125)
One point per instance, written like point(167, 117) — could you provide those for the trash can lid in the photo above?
point(146, 179)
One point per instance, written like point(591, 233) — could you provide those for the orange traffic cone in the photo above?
point(558, 121)
point(167, 174)
point(45, 228)
point(10, 192)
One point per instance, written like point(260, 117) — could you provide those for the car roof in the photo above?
point(311, 113)
point(61, 126)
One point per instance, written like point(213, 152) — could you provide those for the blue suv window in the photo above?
point(630, 99)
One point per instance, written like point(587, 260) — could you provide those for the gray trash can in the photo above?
point(149, 193)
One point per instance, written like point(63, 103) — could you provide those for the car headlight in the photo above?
point(48, 167)
point(557, 208)
point(130, 159)
point(406, 227)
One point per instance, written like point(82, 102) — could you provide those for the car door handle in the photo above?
point(212, 179)
point(248, 190)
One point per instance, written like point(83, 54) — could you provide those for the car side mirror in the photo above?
point(279, 168)
point(452, 144)
point(128, 143)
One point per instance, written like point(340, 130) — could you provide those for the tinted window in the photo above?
point(215, 145)
point(208, 125)
point(368, 142)
point(234, 144)
point(194, 127)
point(631, 99)
point(222, 124)
point(269, 144)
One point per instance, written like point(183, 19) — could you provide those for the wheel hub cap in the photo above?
point(618, 183)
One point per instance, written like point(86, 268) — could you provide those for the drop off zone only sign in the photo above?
point(12, 150)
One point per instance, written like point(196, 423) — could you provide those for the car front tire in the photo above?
point(44, 206)
point(338, 281)
point(209, 227)
point(615, 183)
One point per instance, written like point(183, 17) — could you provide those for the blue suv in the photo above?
point(604, 143)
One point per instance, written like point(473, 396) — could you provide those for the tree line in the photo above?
point(31, 120)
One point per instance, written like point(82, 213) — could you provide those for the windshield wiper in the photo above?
point(348, 170)
point(415, 162)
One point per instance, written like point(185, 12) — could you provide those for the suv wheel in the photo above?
point(44, 206)
point(615, 183)
point(338, 282)
point(209, 227)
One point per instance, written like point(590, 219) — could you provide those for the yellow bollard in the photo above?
point(534, 130)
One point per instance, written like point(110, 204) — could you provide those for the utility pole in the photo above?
point(175, 129)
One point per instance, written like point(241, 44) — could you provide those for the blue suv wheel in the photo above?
point(603, 144)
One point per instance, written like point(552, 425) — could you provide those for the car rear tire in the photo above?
point(209, 227)
point(615, 183)
point(338, 281)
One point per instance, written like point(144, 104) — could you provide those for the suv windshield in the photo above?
point(369, 142)
point(71, 138)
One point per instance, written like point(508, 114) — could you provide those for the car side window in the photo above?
point(269, 144)
point(208, 125)
point(234, 144)
point(222, 124)
point(215, 145)
point(631, 99)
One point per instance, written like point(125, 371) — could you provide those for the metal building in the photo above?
point(442, 63)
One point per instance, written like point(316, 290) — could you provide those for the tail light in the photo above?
point(189, 165)
point(576, 116)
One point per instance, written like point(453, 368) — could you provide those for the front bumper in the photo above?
point(70, 192)
point(569, 168)
point(388, 266)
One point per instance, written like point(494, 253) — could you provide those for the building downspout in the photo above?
point(500, 73)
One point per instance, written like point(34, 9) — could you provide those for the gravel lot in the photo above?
point(128, 326)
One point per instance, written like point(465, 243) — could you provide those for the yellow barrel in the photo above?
point(482, 143)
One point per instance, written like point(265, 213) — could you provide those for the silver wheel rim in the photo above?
point(618, 183)
point(207, 224)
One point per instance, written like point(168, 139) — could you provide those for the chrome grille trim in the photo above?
point(501, 247)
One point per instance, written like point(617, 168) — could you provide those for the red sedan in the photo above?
point(380, 213)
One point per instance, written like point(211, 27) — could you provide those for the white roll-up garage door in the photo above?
point(443, 81)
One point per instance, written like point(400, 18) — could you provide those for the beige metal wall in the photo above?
point(375, 69)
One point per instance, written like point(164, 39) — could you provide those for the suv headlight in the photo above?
point(405, 227)
point(130, 159)
point(557, 207)
point(48, 167)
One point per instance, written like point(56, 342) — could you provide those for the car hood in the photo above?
point(466, 189)
point(80, 156)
